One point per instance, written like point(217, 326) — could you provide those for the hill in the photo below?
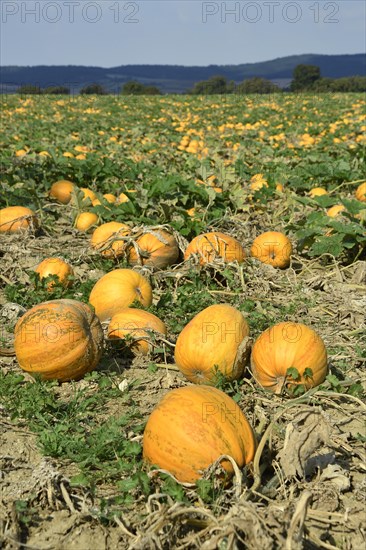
point(177, 78)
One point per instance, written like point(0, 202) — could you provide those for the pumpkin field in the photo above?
point(182, 322)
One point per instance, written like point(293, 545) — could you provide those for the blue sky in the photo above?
point(109, 33)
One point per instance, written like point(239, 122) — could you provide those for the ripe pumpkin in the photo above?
point(122, 197)
point(86, 220)
point(287, 345)
point(61, 190)
point(317, 192)
point(272, 247)
point(17, 218)
point(215, 245)
point(192, 427)
point(106, 239)
point(137, 324)
point(59, 339)
point(88, 194)
point(333, 211)
point(216, 338)
point(117, 290)
point(156, 248)
point(360, 192)
point(55, 266)
point(108, 197)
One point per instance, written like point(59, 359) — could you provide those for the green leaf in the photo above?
point(293, 373)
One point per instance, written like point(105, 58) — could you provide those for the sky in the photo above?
point(109, 33)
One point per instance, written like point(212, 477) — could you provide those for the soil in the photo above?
point(312, 489)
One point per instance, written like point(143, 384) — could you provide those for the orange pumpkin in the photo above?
point(360, 192)
point(335, 210)
point(215, 246)
point(122, 197)
point(117, 290)
point(109, 197)
point(88, 194)
point(317, 192)
point(212, 341)
point(284, 346)
point(59, 339)
point(137, 324)
point(17, 218)
point(192, 427)
point(107, 239)
point(55, 266)
point(61, 191)
point(86, 220)
point(155, 248)
point(272, 247)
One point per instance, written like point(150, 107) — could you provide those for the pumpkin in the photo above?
point(273, 248)
point(88, 194)
point(55, 266)
point(317, 192)
point(61, 191)
point(17, 218)
point(86, 220)
point(106, 239)
point(59, 339)
point(117, 290)
point(137, 324)
point(360, 192)
point(215, 246)
point(191, 427)
point(284, 346)
point(257, 182)
point(156, 248)
point(333, 211)
point(215, 339)
point(108, 197)
point(122, 197)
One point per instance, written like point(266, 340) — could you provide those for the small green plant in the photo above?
point(38, 291)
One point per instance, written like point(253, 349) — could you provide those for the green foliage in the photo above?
point(37, 292)
point(71, 428)
point(57, 90)
point(137, 88)
point(29, 89)
point(214, 85)
point(257, 85)
point(93, 89)
point(304, 77)
point(318, 234)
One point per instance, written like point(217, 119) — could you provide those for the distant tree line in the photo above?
point(129, 88)
point(305, 78)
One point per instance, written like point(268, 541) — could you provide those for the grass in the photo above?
point(76, 428)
